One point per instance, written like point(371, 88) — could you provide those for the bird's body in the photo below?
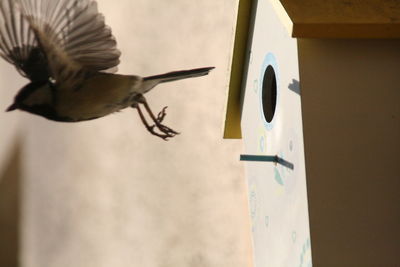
point(69, 54)
point(120, 94)
point(89, 101)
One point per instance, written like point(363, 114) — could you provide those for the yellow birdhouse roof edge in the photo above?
point(232, 129)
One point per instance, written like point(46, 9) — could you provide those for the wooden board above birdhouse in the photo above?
point(344, 18)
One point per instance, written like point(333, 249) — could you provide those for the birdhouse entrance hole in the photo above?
point(269, 94)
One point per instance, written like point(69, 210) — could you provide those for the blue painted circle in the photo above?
point(269, 60)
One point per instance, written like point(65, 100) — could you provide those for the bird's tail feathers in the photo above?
point(151, 81)
point(178, 75)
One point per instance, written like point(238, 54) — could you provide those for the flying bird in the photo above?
point(70, 57)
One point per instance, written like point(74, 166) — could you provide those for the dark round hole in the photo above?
point(269, 93)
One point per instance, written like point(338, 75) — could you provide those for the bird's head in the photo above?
point(35, 97)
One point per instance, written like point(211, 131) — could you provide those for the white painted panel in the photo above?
point(277, 194)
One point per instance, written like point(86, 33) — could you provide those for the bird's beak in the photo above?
point(12, 107)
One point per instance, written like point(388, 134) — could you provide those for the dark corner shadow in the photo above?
point(10, 197)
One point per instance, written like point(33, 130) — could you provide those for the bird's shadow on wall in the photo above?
point(10, 203)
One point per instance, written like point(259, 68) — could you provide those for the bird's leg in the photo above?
point(149, 127)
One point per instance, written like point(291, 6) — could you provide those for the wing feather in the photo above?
point(56, 38)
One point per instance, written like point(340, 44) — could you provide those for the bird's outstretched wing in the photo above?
point(56, 39)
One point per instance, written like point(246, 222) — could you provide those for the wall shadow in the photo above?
point(10, 203)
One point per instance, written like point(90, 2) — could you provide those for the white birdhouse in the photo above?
point(315, 94)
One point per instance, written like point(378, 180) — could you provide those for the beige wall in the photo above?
point(105, 192)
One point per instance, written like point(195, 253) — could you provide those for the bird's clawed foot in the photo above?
point(163, 131)
point(161, 115)
point(157, 129)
